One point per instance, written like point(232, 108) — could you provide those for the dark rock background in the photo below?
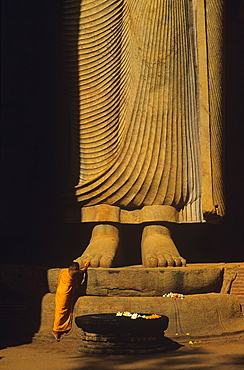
point(35, 147)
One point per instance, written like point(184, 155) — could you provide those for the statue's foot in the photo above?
point(103, 247)
point(158, 249)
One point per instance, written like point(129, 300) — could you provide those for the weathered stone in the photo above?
point(197, 315)
point(139, 281)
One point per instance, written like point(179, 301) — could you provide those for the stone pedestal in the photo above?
point(206, 309)
point(138, 281)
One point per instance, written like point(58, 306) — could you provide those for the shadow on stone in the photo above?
point(21, 291)
point(20, 319)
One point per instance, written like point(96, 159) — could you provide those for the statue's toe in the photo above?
point(170, 260)
point(162, 262)
point(151, 260)
point(183, 261)
point(79, 260)
point(95, 261)
point(178, 261)
point(106, 261)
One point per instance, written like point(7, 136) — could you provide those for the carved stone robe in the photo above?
point(145, 87)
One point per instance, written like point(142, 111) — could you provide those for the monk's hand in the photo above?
point(86, 265)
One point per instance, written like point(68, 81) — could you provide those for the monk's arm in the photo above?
point(84, 268)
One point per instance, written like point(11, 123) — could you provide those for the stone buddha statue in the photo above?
point(145, 91)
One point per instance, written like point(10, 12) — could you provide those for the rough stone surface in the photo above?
point(199, 315)
point(140, 281)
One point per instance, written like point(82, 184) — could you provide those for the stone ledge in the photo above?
point(199, 315)
point(138, 281)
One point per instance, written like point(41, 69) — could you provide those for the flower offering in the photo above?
point(134, 316)
point(173, 295)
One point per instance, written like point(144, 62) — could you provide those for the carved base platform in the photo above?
point(198, 315)
point(206, 309)
point(138, 281)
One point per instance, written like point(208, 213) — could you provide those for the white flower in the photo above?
point(126, 313)
point(174, 295)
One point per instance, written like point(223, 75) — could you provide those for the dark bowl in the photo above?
point(109, 323)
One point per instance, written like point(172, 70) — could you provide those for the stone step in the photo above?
point(237, 286)
point(139, 289)
point(135, 281)
point(198, 315)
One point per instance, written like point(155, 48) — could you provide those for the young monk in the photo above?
point(64, 300)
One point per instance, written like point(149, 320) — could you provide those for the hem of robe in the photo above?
point(153, 213)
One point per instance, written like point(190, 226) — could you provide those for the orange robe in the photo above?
point(64, 301)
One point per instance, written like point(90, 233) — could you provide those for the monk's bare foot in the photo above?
point(158, 249)
point(56, 335)
point(103, 247)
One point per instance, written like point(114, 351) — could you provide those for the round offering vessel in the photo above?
point(110, 323)
point(119, 333)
